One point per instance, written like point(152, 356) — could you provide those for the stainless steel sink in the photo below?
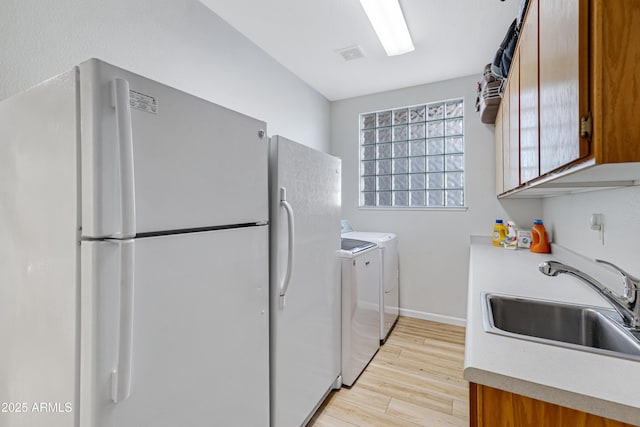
point(585, 328)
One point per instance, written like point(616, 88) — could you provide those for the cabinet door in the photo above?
point(529, 155)
point(615, 32)
point(505, 137)
point(512, 153)
point(491, 407)
point(562, 71)
point(498, 148)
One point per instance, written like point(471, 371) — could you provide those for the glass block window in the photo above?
point(413, 156)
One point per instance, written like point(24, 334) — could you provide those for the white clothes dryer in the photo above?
point(389, 295)
point(360, 307)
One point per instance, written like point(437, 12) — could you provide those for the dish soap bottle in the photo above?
point(499, 231)
point(539, 239)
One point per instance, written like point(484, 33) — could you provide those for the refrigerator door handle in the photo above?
point(121, 375)
point(290, 250)
point(121, 102)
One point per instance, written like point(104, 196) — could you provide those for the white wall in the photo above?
point(179, 42)
point(183, 44)
point(568, 218)
point(434, 246)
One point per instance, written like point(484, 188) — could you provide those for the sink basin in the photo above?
point(585, 328)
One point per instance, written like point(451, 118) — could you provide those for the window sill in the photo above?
point(414, 208)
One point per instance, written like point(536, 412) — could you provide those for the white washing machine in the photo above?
point(360, 306)
point(389, 274)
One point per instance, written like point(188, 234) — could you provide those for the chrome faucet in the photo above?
point(627, 305)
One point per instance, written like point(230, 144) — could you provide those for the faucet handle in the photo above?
point(631, 283)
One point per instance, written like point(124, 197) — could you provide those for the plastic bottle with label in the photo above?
point(539, 239)
point(511, 239)
point(499, 231)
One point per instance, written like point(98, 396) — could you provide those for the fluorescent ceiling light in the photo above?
point(388, 22)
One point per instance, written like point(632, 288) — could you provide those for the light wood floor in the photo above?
point(415, 379)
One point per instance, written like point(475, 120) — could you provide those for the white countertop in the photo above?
point(598, 384)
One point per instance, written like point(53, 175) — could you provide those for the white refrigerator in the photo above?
point(133, 257)
point(305, 313)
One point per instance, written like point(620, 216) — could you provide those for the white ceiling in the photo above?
point(453, 38)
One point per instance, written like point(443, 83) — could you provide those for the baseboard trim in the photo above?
point(450, 320)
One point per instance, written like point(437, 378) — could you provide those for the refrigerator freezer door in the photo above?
point(156, 159)
point(305, 323)
point(184, 320)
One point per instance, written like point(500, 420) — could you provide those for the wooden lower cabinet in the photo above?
point(491, 407)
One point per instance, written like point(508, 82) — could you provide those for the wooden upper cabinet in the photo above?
point(563, 67)
point(498, 149)
point(529, 112)
point(615, 80)
point(512, 143)
point(573, 97)
point(504, 146)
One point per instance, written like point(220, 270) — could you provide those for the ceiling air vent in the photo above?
point(351, 53)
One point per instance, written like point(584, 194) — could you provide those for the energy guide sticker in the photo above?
point(143, 102)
